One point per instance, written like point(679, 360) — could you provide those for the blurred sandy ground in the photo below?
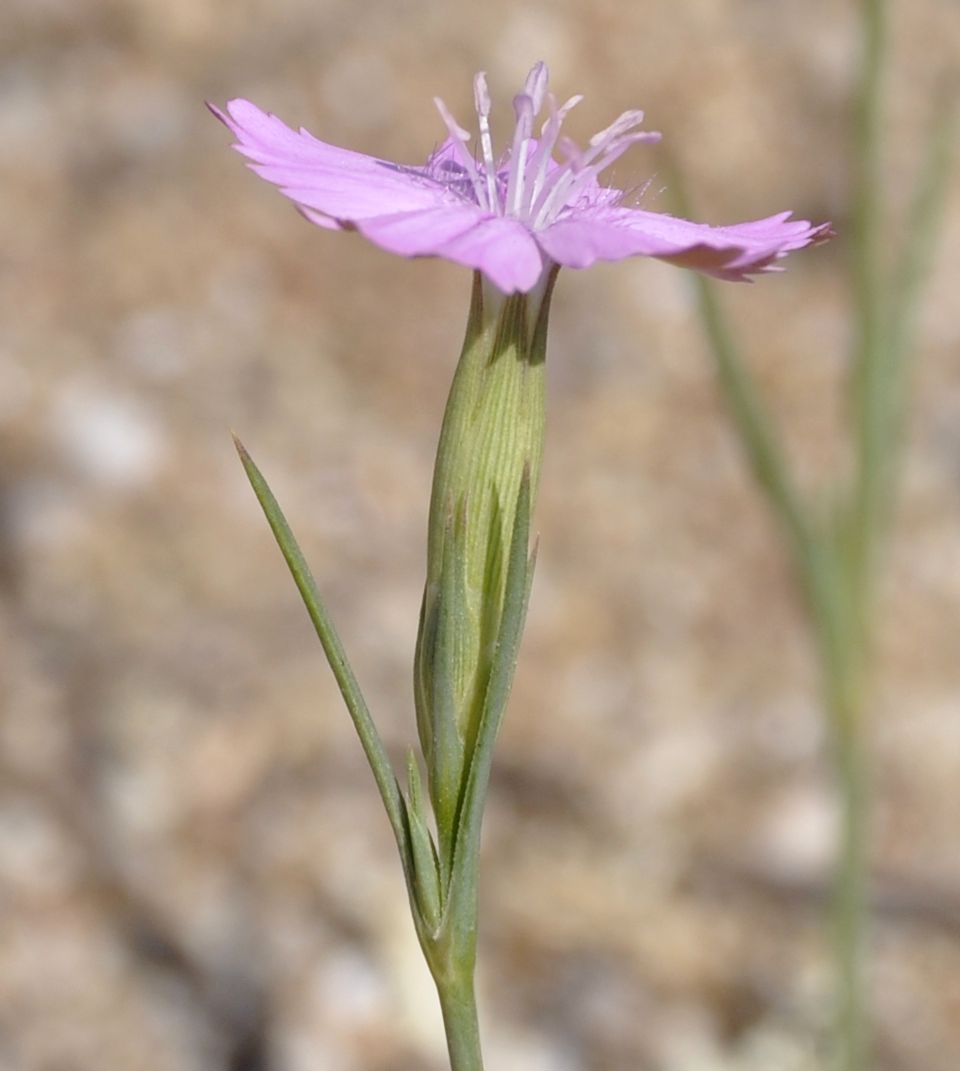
point(194, 870)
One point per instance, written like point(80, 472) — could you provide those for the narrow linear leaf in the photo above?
point(882, 382)
point(923, 228)
point(349, 688)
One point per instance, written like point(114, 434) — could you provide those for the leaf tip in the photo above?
point(241, 449)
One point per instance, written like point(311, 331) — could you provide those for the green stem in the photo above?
point(846, 637)
point(842, 630)
point(850, 894)
point(914, 263)
point(459, 1008)
point(846, 699)
point(874, 383)
point(760, 438)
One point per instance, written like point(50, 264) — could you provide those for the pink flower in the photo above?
point(511, 217)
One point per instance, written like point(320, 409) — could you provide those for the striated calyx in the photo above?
point(492, 434)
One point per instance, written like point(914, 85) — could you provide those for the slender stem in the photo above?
point(845, 639)
point(926, 214)
point(846, 691)
point(873, 384)
point(868, 164)
point(760, 438)
point(459, 1007)
point(850, 922)
point(758, 434)
point(841, 625)
point(916, 258)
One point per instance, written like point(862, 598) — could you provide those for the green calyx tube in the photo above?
point(492, 435)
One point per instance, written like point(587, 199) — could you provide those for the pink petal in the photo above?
point(336, 184)
point(732, 253)
point(502, 248)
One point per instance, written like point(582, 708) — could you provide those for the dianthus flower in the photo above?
point(511, 217)
point(515, 219)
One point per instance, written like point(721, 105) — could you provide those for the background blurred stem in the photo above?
point(835, 591)
point(836, 561)
point(874, 384)
point(758, 434)
point(846, 700)
point(913, 265)
point(877, 400)
point(840, 624)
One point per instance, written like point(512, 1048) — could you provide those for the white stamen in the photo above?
point(460, 138)
point(554, 194)
point(524, 111)
point(582, 177)
point(548, 139)
point(608, 145)
point(538, 188)
point(619, 126)
point(481, 99)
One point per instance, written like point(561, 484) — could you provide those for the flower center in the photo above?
point(527, 182)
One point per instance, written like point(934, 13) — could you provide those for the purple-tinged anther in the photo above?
point(511, 218)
